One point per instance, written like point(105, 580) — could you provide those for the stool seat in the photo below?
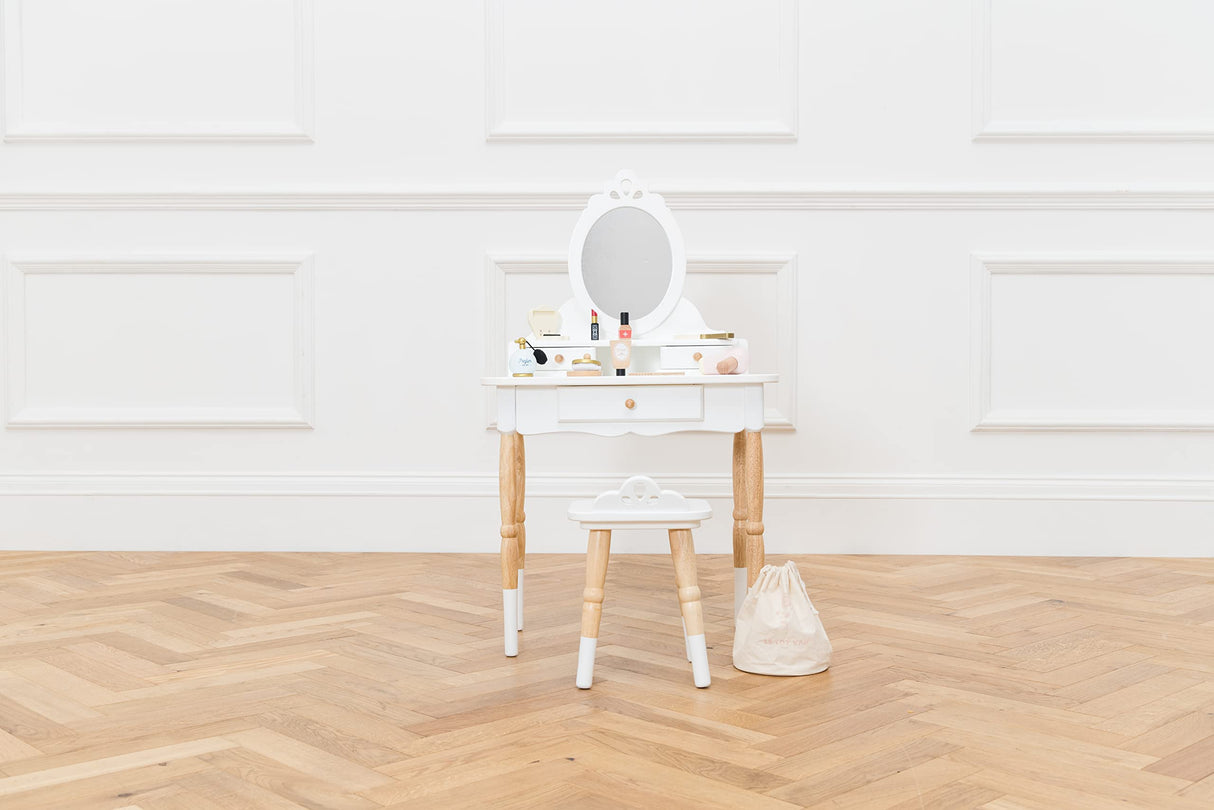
point(641, 504)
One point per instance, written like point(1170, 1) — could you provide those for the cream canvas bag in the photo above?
point(778, 631)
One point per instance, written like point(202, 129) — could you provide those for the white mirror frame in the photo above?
point(626, 192)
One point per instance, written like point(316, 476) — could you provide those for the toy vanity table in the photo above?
point(626, 255)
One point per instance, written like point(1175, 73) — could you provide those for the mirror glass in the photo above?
point(626, 263)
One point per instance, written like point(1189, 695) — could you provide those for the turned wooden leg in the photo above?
point(684, 553)
point(520, 490)
point(597, 553)
point(740, 579)
point(754, 506)
point(506, 484)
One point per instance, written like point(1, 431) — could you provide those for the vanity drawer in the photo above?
point(632, 403)
point(560, 358)
point(680, 357)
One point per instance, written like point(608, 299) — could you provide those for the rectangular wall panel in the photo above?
point(676, 70)
point(752, 296)
point(150, 342)
point(79, 70)
point(1094, 69)
point(1093, 343)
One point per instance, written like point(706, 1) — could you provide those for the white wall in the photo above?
point(257, 255)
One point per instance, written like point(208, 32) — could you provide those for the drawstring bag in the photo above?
point(778, 631)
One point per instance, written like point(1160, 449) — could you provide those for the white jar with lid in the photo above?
point(586, 366)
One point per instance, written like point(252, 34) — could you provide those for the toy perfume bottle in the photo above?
point(625, 327)
point(522, 360)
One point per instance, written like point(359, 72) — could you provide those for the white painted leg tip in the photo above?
point(739, 589)
point(699, 661)
point(585, 662)
point(510, 621)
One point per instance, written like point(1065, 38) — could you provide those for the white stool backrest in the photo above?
point(640, 490)
point(640, 502)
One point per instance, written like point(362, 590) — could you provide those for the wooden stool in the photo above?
point(641, 504)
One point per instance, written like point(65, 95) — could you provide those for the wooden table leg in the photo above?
point(739, 520)
point(506, 478)
point(754, 506)
point(520, 517)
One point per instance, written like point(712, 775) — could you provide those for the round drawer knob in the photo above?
point(560, 358)
point(697, 356)
point(630, 404)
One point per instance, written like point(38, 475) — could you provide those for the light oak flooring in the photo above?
point(204, 681)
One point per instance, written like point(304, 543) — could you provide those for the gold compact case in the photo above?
point(586, 366)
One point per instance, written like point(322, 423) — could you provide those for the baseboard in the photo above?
point(459, 512)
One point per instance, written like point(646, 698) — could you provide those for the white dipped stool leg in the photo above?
point(510, 620)
point(739, 588)
point(585, 662)
point(699, 660)
point(683, 551)
point(597, 553)
point(686, 643)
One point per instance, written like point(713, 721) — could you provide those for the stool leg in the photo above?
point(597, 553)
point(683, 551)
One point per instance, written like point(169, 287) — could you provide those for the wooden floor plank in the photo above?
point(110, 764)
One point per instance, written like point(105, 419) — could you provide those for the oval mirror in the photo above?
point(626, 255)
point(626, 263)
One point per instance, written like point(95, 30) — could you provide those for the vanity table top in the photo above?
point(634, 379)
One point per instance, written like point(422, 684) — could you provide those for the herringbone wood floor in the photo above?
point(331, 681)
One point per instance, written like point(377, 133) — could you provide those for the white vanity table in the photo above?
point(628, 227)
